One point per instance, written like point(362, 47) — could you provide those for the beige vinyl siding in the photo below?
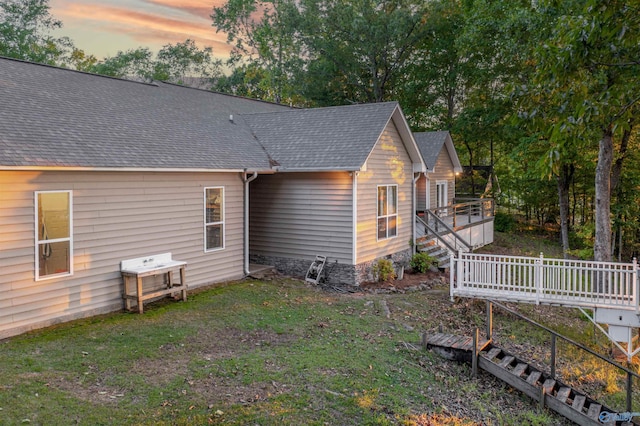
point(116, 216)
point(301, 215)
point(388, 164)
point(443, 171)
point(421, 193)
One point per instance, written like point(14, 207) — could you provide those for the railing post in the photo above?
point(537, 276)
point(489, 320)
point(636, 286)
point(474, 355)
point(459, 275)
point(629, 390)
point(452, 274)
point(553, 356)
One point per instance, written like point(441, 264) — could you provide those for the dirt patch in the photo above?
point(410, 282)
point(208, 346)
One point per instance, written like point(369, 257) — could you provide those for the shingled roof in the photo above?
point(55, 117)
point(335, 138)
point(430, 145)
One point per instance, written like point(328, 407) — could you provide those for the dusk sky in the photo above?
point(104, 27)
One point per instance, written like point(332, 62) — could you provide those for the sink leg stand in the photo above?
point(140, 304)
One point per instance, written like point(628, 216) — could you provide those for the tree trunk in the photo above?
point(602, 244)
point(564, 184)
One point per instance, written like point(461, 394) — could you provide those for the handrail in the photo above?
point(538, 280)
point(442, 240)
point(446, 227)
point(629, 372)
point(467, 207)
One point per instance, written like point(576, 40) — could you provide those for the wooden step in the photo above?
point(534, 377)
point(578, 402)
point(493, 353)
point(594, 411)
point(520, 369)
point(563, 394)
point(548, 386)
point(506, 361)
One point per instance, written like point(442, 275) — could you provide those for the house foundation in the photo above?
point(335, 273)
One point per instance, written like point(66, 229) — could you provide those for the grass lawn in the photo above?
point(270, 352)
point(255, 352)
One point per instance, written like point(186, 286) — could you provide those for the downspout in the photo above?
point(246, 181)
point(354, 219)
point(414, 205)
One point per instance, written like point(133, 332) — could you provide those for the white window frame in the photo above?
point(387, 215)
point(221, 223)
point(442, 195)
point(39, 243)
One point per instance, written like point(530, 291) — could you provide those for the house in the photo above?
point(343, 188)
point(445, 222)
point(95, 170)
point(436, 188)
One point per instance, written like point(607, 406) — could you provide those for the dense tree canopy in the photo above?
point(25, 27)
point(544, 94)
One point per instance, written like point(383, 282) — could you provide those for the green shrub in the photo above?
point(383, 270)
point(421, 262)
point(504, 222)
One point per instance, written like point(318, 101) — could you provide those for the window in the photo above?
point(213, 219)
point(54, 234)
point(387, 211)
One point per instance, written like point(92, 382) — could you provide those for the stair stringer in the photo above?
point(535, 392)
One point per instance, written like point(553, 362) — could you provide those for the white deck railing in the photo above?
point(538, 280)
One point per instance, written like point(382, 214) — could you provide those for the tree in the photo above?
point(264, 36)
point(133, 63)
point(365, 45)
point(185, 63)
point(591, 68)
point(24, 32)
point(182, 63)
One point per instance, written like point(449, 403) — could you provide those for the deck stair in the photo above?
point(546, 390)
point(430, 246)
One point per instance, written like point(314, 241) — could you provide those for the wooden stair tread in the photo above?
point(492, 353)
point(520, 369)
point(506, 361)
point(533, 377)
point(594, 410)
point(563, 394)
point(578, 402)
point(548, 386)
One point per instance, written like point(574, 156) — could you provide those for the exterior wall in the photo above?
point(388, 164)
point(116, 216)
point(296, 216)
point(443, 171)
point(421, 193)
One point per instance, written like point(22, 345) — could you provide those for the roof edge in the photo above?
point(113, 169)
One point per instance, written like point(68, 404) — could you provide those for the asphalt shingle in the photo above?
point(56, 117)
point(430, 144)
point(338, 138)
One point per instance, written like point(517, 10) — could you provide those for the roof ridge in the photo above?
point(56, 67)
point(231, 95)
point(374, 104)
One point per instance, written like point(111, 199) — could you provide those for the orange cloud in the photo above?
point(147, 27)
point(199, 8)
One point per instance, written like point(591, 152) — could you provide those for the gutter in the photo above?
point(114, 169)
point(416, 176)
point(246, 181)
